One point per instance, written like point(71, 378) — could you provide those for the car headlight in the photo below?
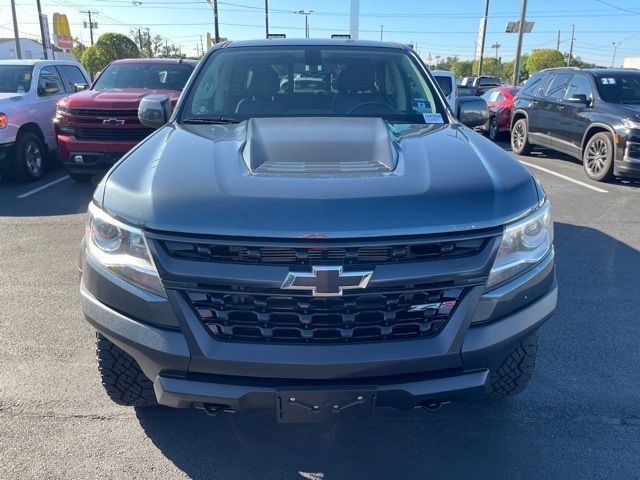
point(122, 250)
point(3, 121)
point(631, 123)
point(524, 243)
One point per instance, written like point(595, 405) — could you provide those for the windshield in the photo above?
point(156, 76)
point(619, 87)
point(15, 78)
point(445, 84)
point(239, 83)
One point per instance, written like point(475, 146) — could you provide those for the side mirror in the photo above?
point(154, 110)
point(79, 87)
point(580, 98)
point(51, 88)
point(472, 111)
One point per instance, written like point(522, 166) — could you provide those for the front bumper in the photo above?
point(189, 368)
point(5, 152)
point(97, 156)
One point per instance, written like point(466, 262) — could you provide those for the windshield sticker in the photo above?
point(20, 89)
point(432, 118)
point(421, 105)
point(608, 81)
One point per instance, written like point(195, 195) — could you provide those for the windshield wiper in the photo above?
point(210, 121)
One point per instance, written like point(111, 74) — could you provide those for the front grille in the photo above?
point(120, 133)
point(90, 112)
point(265, 315)
point(295, 255)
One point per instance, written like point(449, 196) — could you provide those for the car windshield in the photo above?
point(619, 87)
point(243, 82)
point(15, 78)
point(156, 76)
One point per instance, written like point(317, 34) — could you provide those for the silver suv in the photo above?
point(29, 91)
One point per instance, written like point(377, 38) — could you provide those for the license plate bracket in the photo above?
point(303, 405)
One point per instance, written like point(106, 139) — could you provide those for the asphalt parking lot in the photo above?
point(580, 417)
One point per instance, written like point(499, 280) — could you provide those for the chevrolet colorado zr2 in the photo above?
point(320, 253)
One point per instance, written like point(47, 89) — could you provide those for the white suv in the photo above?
point(29, 91)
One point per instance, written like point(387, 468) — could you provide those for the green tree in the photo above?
point(544, 58)
point(490, 66)
point(506, 70)
point(462, 68)
point(78, 49)
point(109, 47)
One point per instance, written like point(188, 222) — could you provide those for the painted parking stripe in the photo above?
point(46, 185)
point(564, 177)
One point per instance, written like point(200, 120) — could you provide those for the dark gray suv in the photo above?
point(313, 232)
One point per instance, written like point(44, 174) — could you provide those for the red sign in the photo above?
point(65, 41)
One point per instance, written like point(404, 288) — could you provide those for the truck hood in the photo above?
point(8, 98)
point(319, 177)
point(117, 98)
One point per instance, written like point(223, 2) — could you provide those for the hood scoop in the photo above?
point(319, 146)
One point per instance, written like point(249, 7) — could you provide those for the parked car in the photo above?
point(95, 128)
point(316, 253)
point(29, 90)
point(500, 104)
point(447, 83)
point(592, 114)
point(482, 84)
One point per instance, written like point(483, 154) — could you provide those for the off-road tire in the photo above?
point(122, 377)
point(520, 137)
point(513, 375)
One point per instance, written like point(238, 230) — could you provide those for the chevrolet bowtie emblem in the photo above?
point(326, 281)
point(114, 122)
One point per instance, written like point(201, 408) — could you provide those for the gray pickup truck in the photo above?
point(29, 92)
point(320, 252)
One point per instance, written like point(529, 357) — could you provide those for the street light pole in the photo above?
point(306, 20)
point(615, 47)
point(516, 66)
point(214, 6)
point(44, 40)
point(266, 18)
point(381, 29)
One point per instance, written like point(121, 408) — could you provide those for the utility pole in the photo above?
point(214, 6)
point(44, 40)
point(139, 40)
point(149, 43)
point(201, 45)
point(516, 66)
point(484, 33)
point(573, 31)
point(615, 47)
point(354, 19)
point(15, 29)
point(89, 12)
point(381, 30)
point(496, 46)
point(266, 18)
point(558, 42)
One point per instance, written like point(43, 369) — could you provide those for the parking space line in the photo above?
point(564, 177)
point(46, 185)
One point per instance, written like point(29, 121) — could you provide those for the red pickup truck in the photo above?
point(96, 127)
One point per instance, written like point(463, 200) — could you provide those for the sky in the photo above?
point(436, 27)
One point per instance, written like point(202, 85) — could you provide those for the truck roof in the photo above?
point(320, 42)
point(32, 62)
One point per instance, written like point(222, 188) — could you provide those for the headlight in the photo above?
point(60, 121)
point(524, 243)
point(122, 250)
point(3, 121)
point(631, 123)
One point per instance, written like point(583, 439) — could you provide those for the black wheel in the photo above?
point(81, 177)
point(513, 375)
point(597, 157)
point(122, 377)
point(29, 157)
point(494, 130)
point(520, 137)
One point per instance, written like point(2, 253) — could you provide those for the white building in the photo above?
point(631, 62)
point(30, 49)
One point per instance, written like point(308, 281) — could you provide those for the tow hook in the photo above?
point(433, 405)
